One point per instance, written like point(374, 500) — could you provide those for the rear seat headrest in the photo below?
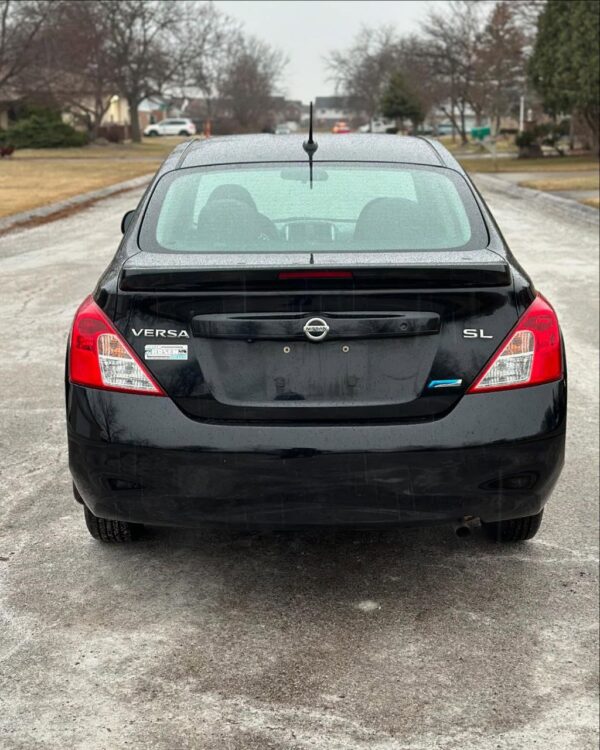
point(398, 222)
point(228, 222)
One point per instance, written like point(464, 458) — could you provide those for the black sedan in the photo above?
point(297, 333)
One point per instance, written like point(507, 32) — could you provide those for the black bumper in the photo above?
point(139, 458)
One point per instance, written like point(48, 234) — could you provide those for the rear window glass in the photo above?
point(274, 208)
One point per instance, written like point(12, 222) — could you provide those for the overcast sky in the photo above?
point(308, 29)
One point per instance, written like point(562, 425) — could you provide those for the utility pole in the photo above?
point(521, 113)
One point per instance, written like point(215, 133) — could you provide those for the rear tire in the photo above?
point(112, 532)
point(183, 132)
point(514, 529)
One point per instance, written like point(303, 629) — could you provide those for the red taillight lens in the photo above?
point(531, 354)
point(99, 358)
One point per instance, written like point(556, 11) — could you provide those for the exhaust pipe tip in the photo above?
point(466, 525)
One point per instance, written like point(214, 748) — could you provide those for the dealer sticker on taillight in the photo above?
point(166, 351)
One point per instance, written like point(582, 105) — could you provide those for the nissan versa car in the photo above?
point(296, 333)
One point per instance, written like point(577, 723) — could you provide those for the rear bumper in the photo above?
point(139, 458)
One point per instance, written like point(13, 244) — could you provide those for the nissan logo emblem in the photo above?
point(316, 329)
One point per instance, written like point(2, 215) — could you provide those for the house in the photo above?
point(117, 112)
point(330, 109)
point(191, 103)
point(285, 110)
point(116, 121)
point(440, 124)
point(293, 110)
point(153, 110)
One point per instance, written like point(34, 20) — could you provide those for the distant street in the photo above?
point(406, 639)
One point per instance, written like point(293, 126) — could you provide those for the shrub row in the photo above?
point(41, 132)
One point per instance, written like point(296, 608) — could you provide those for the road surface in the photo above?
point(323, 641)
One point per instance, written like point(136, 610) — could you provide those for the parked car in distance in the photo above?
point(172, 126)
point(340, 127)
point(444, 128)
point(378, 125)
point(344, 339)
point(282, 130)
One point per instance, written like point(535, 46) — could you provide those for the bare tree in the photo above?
point(251, 80)
point(526, 14)
point(21, 24)
point(214, 40)
point(145, 47)
point(501, 62)
point(136, 48)
point(78, 70)
point(453, 38)
point(419, 70)
point(469, 57)
point(362, 71)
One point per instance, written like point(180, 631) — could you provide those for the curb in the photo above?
point(36, 215)
point(566, 206)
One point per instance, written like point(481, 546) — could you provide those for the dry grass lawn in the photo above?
point(503, 145)
point(150, 148)
point(29, 184)
point(595, 202)
point(583, 182)
point(37, 177)
point(547, 164)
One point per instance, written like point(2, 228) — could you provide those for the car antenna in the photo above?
point(310, 146)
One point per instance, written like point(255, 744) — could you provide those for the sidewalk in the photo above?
point(588, 180)
point(566, 202)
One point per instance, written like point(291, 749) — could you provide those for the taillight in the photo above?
point(99, 358)
point(531, 354)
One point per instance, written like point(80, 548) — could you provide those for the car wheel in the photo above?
point(183, 132)
point(153, 133)
point(514, 529)
point(106, 530)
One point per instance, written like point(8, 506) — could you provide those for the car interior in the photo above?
point(197, 217)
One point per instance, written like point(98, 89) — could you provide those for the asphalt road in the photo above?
point(322, 641)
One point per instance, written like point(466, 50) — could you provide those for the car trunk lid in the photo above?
point(328, 339)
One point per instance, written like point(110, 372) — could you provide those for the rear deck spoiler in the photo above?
point(343, 281)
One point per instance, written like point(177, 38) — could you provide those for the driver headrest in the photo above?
point(397, 222)
point(232, 192)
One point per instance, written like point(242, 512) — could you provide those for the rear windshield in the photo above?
point(348, 207)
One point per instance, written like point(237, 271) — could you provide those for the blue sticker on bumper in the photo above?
point(452, 383)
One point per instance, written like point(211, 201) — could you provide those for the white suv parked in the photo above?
point(172, 126)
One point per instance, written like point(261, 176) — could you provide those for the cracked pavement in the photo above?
point(325, 640)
